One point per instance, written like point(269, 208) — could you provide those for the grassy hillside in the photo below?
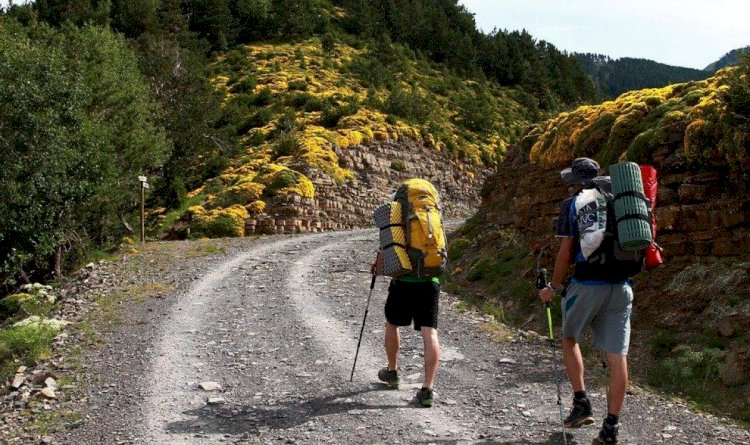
point(708, 116)
point(292, 105)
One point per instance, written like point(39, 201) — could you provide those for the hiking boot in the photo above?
point(390, 378)
point(580, 414)
point(424, 397)
point(608, 433)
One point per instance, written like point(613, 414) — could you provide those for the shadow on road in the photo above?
point(237, 419)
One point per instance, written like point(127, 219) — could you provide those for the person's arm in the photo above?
point(562, 264)
point(566, 232)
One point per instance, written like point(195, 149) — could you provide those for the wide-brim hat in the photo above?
point(580, 171)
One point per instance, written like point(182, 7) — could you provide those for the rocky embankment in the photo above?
point(703, 214)
point(379, 167)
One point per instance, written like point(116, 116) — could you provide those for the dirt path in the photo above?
point(276, 326)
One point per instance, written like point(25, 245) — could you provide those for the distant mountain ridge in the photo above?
point(613, 77)
point(729, 59)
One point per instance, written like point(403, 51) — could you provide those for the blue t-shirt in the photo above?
point(568, 228)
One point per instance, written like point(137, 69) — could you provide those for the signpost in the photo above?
point(144, 186)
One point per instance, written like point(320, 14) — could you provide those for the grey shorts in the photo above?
point(604, 307)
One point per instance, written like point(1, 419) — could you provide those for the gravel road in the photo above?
point(272, 325)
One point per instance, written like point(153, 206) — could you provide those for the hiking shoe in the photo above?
point(424, 397)
point(390, 378)
point(580, 414)
point(608, 433)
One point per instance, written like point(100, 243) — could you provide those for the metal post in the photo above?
point(144, 186)
point(143, 214)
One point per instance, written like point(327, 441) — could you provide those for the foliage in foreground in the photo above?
point(76, 129)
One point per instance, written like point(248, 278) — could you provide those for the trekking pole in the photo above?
point(541, 283)
point(367, 308)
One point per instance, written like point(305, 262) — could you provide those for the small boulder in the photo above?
point(210, 386)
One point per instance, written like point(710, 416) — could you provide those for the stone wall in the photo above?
point(378, 167)
point(702, 210)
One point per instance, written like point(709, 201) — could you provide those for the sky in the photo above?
point(689, 33)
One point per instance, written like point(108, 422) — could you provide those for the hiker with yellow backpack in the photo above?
point(412, 252)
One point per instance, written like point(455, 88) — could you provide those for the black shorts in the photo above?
point(409, 302)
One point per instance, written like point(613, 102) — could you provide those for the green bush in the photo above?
point(457, 248)
point(399, 165)
point(662, 343)
point(409, 105)
point(476, 112)
point(297, 85)
point(283, 179)
point(332, 113)
point(25, 345)
point(261, 118)
point(299, 100)
point(219, 227)
point(245, 85)
point(481, 269)
point(314, 104)
point(286, 145)
point(328, 42)
point(371, 72)
point(688, 371)
point(256, 137)
point(287, 122)
point(262, 97)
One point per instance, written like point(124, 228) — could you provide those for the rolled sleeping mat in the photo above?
point(389, 219)
point(631, 207)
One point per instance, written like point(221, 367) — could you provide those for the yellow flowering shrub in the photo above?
point(631, 126)
point(218, 223)
point(242, 193)
point(256, 207)
point(280, 180)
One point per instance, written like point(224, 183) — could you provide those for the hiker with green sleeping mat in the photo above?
point(599, 295)
point(412, 251)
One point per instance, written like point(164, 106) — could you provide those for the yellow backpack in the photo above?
point(411, 232)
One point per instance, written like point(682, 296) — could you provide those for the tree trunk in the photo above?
point(24, 276)
point(127, 226)
point(57, 258)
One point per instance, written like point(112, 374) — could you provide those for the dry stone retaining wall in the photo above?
point(701, 210)
point(379, 167)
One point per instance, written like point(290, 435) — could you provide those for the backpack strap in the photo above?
point(635, 194)
point(634, 216)
point(393, 244)
point(391, 225)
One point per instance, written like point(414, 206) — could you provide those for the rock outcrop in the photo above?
point(379, 167)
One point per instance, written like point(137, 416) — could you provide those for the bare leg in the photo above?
point(431, 355)
point(573, 363)
point(618, 382)
point(392, 344)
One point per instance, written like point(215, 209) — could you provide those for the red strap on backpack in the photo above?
point(653, 256)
